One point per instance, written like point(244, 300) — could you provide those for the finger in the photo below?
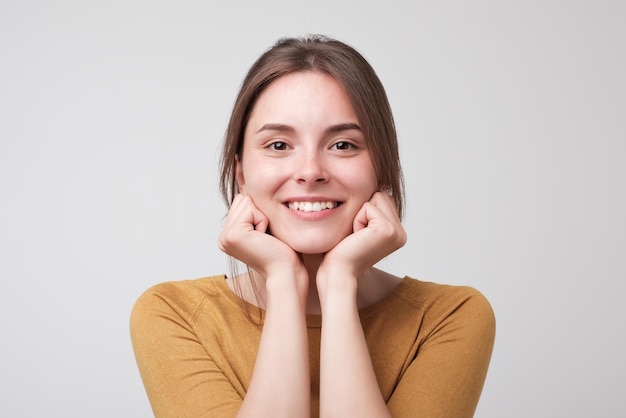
point(379, 205)
point(239, 234)
point(379, 215)
point(243, 210)
point(260, 222)
point(387, 205)
point(236, 207)
point(365, 215)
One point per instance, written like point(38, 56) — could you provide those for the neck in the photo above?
point(312, 263)
point(373, 286)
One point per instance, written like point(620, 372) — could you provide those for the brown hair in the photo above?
point(362, 85)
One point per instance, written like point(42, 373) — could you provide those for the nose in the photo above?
point(311, 168)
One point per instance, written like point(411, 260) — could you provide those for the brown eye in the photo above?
point(343, 146)
point(278, 146)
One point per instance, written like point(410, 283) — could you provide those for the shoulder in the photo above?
point(423, 293)
point(450, 331)
point(445, 303)
point(179, 298)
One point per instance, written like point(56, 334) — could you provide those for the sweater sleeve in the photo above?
point(180, 377)
point(446, 376)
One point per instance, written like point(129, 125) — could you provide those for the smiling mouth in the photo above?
point(312, 206)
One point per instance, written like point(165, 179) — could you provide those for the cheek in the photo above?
point(364, 183)
point(260, 181)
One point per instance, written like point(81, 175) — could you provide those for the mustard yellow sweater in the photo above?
point(430, 346)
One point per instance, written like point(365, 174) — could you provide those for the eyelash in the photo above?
point(278, 146)
point(282, 146)
point(350, 146)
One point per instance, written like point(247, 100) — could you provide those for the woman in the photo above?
point(312, 178)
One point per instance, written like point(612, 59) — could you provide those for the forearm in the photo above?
point(348, 385)
point(280, 384)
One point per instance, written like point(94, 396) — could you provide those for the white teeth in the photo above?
point(312, 206)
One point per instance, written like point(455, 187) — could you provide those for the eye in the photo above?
point(278, 146)
point(343, 146)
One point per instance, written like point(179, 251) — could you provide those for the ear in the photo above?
point(241, 183)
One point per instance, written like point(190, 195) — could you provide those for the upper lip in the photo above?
point(312, 199)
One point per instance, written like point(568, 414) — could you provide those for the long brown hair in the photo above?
point(363, 87)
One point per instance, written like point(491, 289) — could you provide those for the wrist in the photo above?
point(287, 284)
point(336, 285)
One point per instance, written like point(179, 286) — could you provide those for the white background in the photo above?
point(511, 117)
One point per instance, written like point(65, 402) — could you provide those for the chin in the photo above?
point(313, 247)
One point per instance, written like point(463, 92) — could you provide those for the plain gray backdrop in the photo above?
point(511, 118)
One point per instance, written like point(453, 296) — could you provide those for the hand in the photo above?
point(244, 237)
point(378, 232)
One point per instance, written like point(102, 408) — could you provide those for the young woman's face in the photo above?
point(305, 162)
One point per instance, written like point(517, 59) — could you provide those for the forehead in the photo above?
point(303, 98)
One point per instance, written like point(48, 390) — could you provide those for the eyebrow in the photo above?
point(279, 127)
point(276, 127)
point(343, 127)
